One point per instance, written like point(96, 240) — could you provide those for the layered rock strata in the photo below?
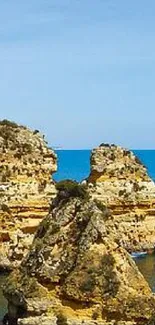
point(26, 188)
point(75, 273)
point(120, 181)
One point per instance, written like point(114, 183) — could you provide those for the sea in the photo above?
point(75, 165)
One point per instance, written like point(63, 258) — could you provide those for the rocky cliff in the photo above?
point(75, 273)
point(26, 188)
point(120, 181)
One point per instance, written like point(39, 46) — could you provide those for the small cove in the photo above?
point(146, 265)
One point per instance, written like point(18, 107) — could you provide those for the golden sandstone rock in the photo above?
point(76, 273)
point(78, 270)
point(120, 181)
point(26, 188)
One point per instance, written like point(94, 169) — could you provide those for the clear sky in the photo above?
point(82, 71)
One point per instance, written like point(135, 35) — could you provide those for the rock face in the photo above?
point(120, 181)
point(26, 188)
point(75, 273)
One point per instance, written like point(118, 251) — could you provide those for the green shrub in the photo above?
point(91, 270)
point(5, 208)
point(7, 134)
point(61, 319)
point(105, 145)
point(69, 188)
point(35, 131)
point(108, 145)
point(121, 192)
point(89, 284)
point(126, 153)
point(9, 123)
point(108, 260)
point(27, 148)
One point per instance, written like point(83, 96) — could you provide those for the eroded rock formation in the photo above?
point(26, 188)
point(75, 273)
point(120, 181)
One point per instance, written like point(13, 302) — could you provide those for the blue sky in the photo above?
point(82, 71)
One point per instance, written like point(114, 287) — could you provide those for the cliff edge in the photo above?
point(119, 180)
point(26, 188)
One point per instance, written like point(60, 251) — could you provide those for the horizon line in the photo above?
point(83, 149)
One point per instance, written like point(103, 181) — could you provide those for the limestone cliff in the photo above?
point(26, 188)
point(75, 273)
point(120, 181)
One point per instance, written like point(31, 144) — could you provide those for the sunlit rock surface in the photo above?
point(26, 188)
point(75, 273)
point(120, 181)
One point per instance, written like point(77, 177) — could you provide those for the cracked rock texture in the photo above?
point(120, 181)
point(75, 273)
point(26, 188)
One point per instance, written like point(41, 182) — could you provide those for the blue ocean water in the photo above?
point(148, 159)
point(75, 164)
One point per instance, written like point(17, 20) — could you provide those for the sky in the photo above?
point(81, 71)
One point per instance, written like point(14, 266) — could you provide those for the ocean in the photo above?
point(75, 165)
point(72, 164)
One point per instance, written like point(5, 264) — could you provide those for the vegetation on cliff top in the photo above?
point(68, 188)
point(8, 123)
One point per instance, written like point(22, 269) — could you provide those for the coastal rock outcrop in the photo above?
point(75, 273)
point(119, 180)
point(26, 188)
